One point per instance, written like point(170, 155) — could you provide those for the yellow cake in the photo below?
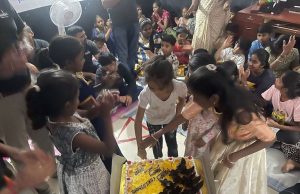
point(172, 175)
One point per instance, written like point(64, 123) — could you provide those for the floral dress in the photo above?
point(79, 171)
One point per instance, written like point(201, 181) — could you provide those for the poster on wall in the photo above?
point(26, 5)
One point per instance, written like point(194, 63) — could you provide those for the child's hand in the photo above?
point(193, 7)
point(272, 123)
point(148, 142)
point(106, 102)
point(244, 75)
point(228, 42)
point(142, 153)
point(127, 100)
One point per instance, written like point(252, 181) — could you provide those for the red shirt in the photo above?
point(182, 56)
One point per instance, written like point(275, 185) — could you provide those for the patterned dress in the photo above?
point(79, 171)
point(211, 18)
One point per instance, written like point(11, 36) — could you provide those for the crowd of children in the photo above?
point(237, 98)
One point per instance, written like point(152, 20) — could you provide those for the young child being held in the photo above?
point(100, 41)
point(53, 102)
point(161, 100)
point(114, 75)
point(182, 48)
point(167, 46)
point(264, 34)
point(236, 54)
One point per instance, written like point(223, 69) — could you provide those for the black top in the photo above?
point(262, 82)
point(126, 85)
point(90, 51)
point(10, 24)
point(40, 44)
point(124, 13)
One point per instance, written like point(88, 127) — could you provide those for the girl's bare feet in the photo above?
point(289, 165)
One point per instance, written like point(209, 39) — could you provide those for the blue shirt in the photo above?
point(255, 45)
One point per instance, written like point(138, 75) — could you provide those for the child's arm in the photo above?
point(92, 144)
point(293, 127)
point(138, 132)
point(227, 43)
point(138, 124)
point(254, 147)
point(107, 34)
point(180, 105)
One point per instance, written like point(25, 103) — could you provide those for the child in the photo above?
point(146, 42)
point(182, 48)
point(100, 41)
point(236, 54)
point(285, 98)
point(160, 17)
point(167, 47)
point(184, 19)
point(264, 34)
point(114, 75)
point(68, 53)
point(101, 29)
point(141, 16)
point(231, 30)
point(53, 103)
point(260, 78)
point(158, 101)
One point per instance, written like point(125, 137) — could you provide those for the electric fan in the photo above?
point(64, 13)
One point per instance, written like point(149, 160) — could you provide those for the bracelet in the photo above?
point(10, 185)
point(228, 160)
point(154, 138)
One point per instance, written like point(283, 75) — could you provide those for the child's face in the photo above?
point(155, 8)
point(147, 30)
point(181, 38)
point(166, 48)
point(184, 13)
point(255, 65)
point(99, 22)
point(263, 37)
point(139, 10)
point(111, 68)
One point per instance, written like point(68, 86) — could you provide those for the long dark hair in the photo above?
point(54, 88)
point(235, 103)
point(291, 81)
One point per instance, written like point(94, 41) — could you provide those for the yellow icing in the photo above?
point(138, 172)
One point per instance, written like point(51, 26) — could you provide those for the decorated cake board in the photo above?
point(119, 179)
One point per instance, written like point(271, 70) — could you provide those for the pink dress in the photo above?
point(202, 124)
point(156, 18)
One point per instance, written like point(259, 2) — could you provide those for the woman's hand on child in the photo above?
point(287, 47)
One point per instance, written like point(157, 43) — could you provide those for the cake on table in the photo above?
point(163, 176)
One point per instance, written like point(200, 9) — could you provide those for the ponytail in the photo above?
point(35, 110)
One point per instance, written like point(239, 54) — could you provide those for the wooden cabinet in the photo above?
point(248, 24)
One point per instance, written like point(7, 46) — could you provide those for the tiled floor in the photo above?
point(124, 133)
